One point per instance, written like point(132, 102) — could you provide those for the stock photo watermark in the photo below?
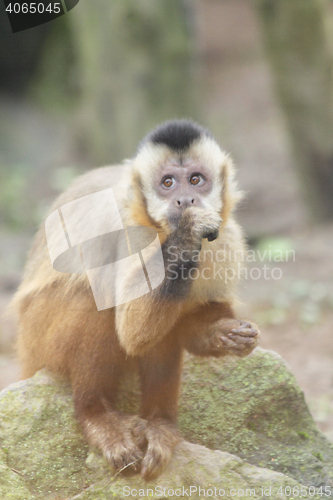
point(26, 14)
point(226, 264)
point(87, 235)
point(219, 492)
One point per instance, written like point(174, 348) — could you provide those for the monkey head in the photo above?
point(180, 166)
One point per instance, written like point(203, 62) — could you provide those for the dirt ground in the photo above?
point(294, 312)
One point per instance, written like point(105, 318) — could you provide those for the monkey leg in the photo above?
point(213, 330)
point(160, 372)
point(97, 370)
point(75, 340)
point(104, 427)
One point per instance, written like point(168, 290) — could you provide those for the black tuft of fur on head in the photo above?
point(177, 135)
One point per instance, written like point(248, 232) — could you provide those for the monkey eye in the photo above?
point(196, 179)
point(168, 182)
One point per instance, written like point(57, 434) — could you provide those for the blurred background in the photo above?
point(82, 90)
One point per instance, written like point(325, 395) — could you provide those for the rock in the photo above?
point(250, 407)
point(253, 408)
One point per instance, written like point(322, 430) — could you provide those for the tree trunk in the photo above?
point(136, 69)
point(299, 47)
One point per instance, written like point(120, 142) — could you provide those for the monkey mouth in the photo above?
point(174, 218)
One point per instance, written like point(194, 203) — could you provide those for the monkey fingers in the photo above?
point(213, 235)
point(245, 329)
point(207, 225)
point(210, 233)
point(240, 344)
point(237, 342)
point(231, 327)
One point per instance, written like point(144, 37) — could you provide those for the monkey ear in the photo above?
point(231, 195)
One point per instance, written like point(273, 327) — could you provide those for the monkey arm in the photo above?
point(139, 326)
point(143, 322)
point(212, 330)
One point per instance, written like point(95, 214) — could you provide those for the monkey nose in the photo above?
point(184, 202)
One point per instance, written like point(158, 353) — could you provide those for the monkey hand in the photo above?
point(200, 223)
point(236, 337)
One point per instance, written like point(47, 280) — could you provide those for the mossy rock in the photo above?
point(253, 408)
point(250, 407)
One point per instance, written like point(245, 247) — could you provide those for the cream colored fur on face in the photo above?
point(204, 152)
point(220, 201)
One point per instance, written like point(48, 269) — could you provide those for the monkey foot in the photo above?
point(162, 437)
point(124, 457)
point(117, 436)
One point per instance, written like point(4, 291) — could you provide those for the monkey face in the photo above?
point(182, 184)
point(180, 166)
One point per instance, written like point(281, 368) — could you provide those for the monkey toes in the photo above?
point(139, 433)
point(121, 439)
point(141, 446)
point(156, 458)
point(162, 438)
point(125, 457)
point(239, 337)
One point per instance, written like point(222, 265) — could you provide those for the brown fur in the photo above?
point(61, 329)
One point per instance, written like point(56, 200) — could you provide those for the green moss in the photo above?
point(303, 435)
point(253, 408)
point(49, 418)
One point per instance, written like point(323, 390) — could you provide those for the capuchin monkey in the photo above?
point(96, 323)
